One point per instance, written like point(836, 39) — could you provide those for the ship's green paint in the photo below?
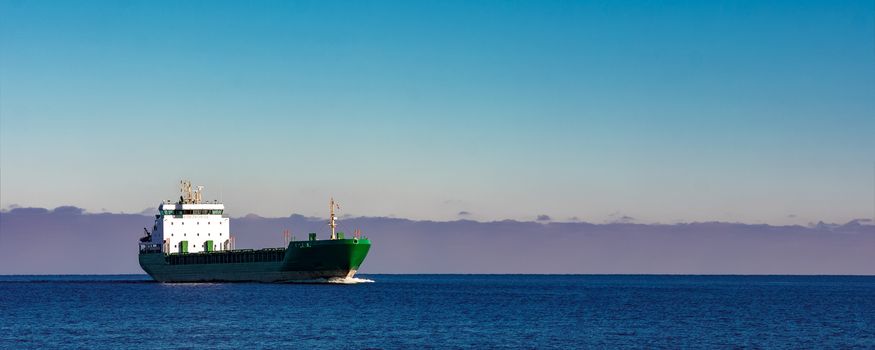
point(303, 260)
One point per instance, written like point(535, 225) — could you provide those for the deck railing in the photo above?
point(227, 256)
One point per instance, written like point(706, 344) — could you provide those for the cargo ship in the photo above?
point(191, 241)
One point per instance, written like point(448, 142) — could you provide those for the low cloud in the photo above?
point(10, 207)
point(147, 211)
point(625, 219)
point(544, 217)
point(68, 210)
point(464, 213)
point(620, 218)
point(68, 240)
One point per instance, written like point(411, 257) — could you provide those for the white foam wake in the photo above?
point(349, 280)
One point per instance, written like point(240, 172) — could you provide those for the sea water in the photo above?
point(441, 311)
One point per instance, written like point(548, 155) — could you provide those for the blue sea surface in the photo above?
point(441, 311)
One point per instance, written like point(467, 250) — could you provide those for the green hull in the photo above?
point(300, 261)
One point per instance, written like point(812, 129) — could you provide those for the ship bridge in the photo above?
point(191, 226)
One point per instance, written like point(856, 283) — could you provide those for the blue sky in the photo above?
point(665, 111)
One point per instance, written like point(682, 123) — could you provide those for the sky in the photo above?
point(644, 111)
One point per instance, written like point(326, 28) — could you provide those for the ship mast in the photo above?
point(190, 196)
point(185, 189)
point(332, 222)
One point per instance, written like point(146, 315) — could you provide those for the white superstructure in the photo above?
point(191, 226)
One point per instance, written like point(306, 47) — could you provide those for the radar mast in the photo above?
point(332, 221)
point(189, 196)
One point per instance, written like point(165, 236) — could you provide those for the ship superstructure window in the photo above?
point(179, 212)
